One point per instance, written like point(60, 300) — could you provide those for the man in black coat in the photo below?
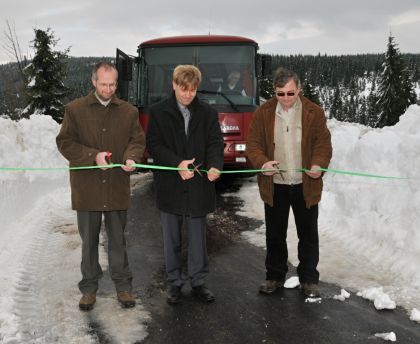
point(184, 132)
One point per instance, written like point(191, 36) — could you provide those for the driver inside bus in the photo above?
point(232, 84)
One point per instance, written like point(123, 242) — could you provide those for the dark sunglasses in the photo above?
point(282, 94)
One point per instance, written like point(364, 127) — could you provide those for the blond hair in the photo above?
point(187, 76)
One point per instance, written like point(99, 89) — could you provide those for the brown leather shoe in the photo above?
point(270, 286)
point(87, 301)
point(126, 299)
point(310, 289)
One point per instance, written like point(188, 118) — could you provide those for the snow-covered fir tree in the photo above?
point(372, 106)
point(309, 91)
point(266, 87)
point(336, 109)
point(46, 73)
point(395, 89)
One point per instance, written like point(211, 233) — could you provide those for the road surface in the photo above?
point(240, 314)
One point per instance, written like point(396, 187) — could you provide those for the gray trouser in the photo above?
point(198, 266)
point(89, 223)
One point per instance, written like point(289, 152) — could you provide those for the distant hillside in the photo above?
point(324, 70)
point(79, 70)
point(349, 77)
point(345, 85)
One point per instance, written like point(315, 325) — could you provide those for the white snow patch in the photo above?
point(387, 336)
point(343, 295)
point(313, 300)
point(380, 299)
point(415, 315)
point(292, 282)
point(256, 237)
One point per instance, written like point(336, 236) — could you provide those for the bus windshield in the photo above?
point(228, 73)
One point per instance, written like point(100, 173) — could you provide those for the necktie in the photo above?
point(187, 115)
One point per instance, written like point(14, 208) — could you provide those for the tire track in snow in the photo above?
point(43, 304)
point(46, 294)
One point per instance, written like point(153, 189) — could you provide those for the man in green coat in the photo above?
point(96, 129)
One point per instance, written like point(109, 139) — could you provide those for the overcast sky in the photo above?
point(98, 27)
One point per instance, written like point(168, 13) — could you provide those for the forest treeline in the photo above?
point(346, 85)
point(77, 80)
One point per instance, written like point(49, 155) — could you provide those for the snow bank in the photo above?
point(30, 143)
point(27, 143)
point(375, 215)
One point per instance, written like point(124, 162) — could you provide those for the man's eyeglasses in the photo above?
point(282, 94)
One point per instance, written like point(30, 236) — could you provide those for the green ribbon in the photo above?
point(57, 168)
point(360, 174)
point(168, 168)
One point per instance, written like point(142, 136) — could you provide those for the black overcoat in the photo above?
point(168, 145)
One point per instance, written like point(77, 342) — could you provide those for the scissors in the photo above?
point(279, 171)
point(108, 157)
point(196, 168)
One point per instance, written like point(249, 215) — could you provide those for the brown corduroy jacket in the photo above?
point(316, 147)
point(89, 128)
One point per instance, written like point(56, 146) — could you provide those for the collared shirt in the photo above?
point(103, 102)
point(186, 114)
point(287, 140)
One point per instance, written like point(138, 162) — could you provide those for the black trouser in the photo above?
point(198, 265)
point(276, 220)
point(89, 223)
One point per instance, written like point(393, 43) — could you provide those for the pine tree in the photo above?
point(351, 103)
point(408, 86)
point(266, 87)
point(395, 89)
point(336, 110)
point(310, 92)
point(372, 106)
point(362, 118)
point(46, 73)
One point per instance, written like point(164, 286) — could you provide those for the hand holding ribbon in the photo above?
point(270, 165)
point(213, 174)
point(315, 172)
point(128, 167)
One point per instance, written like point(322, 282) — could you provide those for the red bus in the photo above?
point(217, 57)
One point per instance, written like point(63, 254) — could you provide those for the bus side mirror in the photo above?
point(124, 65)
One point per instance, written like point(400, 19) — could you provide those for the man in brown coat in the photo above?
point(96, 129)
point(289, 133)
